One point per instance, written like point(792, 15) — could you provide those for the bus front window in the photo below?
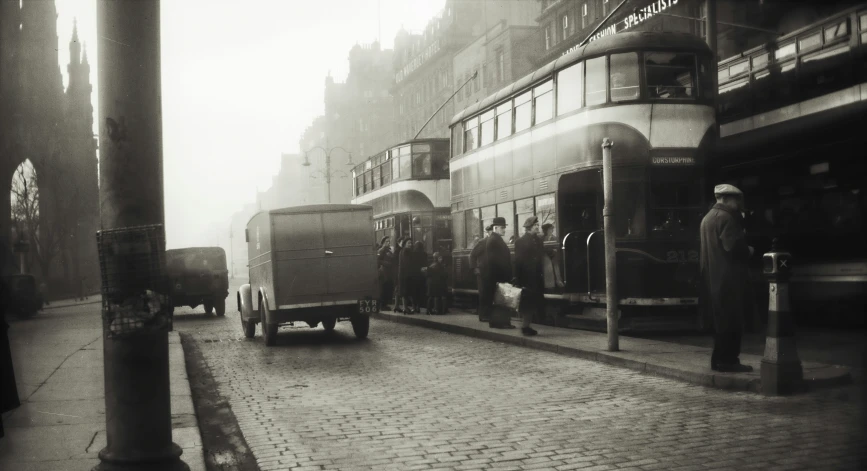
point(670, 75)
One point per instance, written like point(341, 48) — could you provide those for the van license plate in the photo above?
point(368, 306)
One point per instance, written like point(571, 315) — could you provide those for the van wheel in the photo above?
point(221, 307)
point(328, 324)
point(269, 331)
point(360, 325)
point(209, 308)
point(249, 327)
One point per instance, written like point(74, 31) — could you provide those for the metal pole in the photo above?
point(137, 395)
point(328, 173)
point(710, 30)
point(610, 254)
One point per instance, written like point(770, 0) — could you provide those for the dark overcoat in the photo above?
point(407, 271)
point(529, 251)
point(437, 284)
point(496, 266)
point(724, 268)
point(386, 262)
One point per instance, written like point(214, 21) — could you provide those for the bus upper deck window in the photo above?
point(570, 88)
point(595, 81)
point(670, 75)
point(623, 76)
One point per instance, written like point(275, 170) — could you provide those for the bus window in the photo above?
point(487, 125)
point(459, 230)
point(395, 166)
point(595, 81)
point(473, 227)
point(675, 201)
point(523, 209)
point(386, 172)
point(471, 140)
point(488, 214)
point(705, 78)
point(504, 120)
point(377, 178)
point(570, 88)
point(405, 162)
point(457, 140)
point(543, 95)
point(630, 210)
point(507, 211)
point(421, 165)
point(623, 76)
point(523, 111)
point(354, 184)
point(670, 74)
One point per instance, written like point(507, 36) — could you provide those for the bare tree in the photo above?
point(30, 209)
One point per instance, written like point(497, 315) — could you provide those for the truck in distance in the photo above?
point(198, 275)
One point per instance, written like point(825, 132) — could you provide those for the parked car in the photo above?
point(22, 295)
point(198, 275)
point(315, 264)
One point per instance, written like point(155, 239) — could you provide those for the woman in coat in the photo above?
point(436, 286)
point(418, 279)
point(406, 269)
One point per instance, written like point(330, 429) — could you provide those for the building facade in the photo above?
point(356, 122)
point(424, 75)
point(501, 55)
point(50, 127)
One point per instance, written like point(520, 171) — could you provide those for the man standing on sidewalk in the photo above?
point(529, 251)
point(725, 274)
point(476, 257)
point(497, 268)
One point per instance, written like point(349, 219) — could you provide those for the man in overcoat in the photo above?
point(476, 257)
point(496, 268)
point(529, 274)
point(725, 276)
point(386, 272)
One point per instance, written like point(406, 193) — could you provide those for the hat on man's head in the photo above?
point(489, 228)
point(385, 238)
point(726, 189)
point(532, 220)
point(499, 222)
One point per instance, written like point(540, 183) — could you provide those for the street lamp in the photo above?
point(327, 173)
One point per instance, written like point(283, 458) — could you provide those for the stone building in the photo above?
point(424, 75)
point(52, 128)
point(356, 123)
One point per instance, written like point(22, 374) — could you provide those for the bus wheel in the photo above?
point(221, 307)
point(360, 325)
point(328, 324)
point(249, 327)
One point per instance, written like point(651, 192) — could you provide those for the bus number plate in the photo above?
point(368, 306)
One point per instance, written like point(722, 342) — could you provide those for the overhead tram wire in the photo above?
point(475, 74)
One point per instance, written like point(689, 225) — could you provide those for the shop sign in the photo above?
point(633, 19)
point(417, 61)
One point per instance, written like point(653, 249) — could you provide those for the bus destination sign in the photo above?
point(672, 160)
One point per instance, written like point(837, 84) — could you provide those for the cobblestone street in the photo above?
point(411, 398)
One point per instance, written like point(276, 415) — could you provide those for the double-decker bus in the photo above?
point(792, 119)
point(534, 148)
point(408, 187)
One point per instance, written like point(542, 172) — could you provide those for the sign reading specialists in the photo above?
point(640, 16)
point(672, 160)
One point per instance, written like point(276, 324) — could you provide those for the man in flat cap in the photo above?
point(725, 276)
point(496, 268)
point(529, 274)
point(477, 256)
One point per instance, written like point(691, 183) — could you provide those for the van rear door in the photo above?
point(299, 257)
point(350, 261)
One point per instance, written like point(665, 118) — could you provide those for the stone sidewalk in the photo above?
point(671, 360)
point(58, 361)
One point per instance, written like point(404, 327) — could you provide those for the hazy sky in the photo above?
point(241, 80)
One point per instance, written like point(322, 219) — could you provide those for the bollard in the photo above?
point(781, 371)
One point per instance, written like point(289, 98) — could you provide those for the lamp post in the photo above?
point(327, 173)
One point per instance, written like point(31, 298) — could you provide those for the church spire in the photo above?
point(74, 45)
point(84, 54)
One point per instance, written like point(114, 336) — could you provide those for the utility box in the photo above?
point(314, 264)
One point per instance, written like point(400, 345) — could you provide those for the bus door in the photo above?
point(579, 205)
